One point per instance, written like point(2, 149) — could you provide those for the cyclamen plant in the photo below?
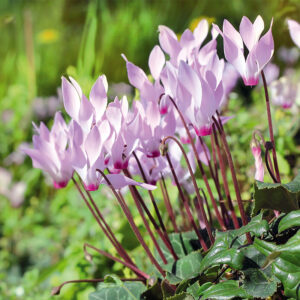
point(218, 251)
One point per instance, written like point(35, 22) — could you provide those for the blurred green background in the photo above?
point(42, 231)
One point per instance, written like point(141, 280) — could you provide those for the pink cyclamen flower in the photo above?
point(260, 49)
point(51, 152)
point(259, 173)
point(294, 28)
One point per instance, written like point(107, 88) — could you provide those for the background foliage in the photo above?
point(42, 231)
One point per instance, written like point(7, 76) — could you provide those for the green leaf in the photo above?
point(153, 293)
point(183, 244)
point(282, 197)
point(182, 296)
point(224, 290)
point(232, 257)
point(290, 220)
point(257, 284)
point(186, 267)
point(118, 290)
point(286, 267)
point(193, 289)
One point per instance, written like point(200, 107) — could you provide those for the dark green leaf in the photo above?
point(286, 267)
point(257, 284)
point(182, 296)
point(290, 220)
point(115, 289)
point(183, 244)
point(186, 267)
point(224, 290)
point(282, 197)
point(193, 289)
point(153, 293)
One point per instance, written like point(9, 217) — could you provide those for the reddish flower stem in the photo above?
point(101, 217)
point(218, 215)
point(271, 127)
point(126, 264)
point(167, 202)
point(111, 239)
point(186, 205)
point(130, 219)
point(140, 206)
point(56, 290)
point(217, 185)
point(166, 237)
point(224, 177)
point(203, 214)
point(233, 173)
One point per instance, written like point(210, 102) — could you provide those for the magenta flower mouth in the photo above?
point(153, 154)
point(251, 81)
point(60, 185)
point(203, 131)
point(91, 187)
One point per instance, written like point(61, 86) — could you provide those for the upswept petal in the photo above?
point(71, 99)
point(234, 55)
point(251, 32)
point(169, 42)
point(119, 181)
point(264, 49)
point(190, 80)
point(98, 96)
point(136, 75)
point(233, 34)
point(294, 28)
point(92, 145)
point(201, 31)
point(156, 61)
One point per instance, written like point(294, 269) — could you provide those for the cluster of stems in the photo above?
point(209, 212)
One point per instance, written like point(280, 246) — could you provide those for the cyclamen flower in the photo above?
point(294, 28)
point(260, 49)
point(256, 151)
point(284, 91)
point(51, 152)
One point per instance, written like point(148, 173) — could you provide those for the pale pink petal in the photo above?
point(251, 32)
point(201, 32)
point(168, 41)
point(234, 55)
point(92, 145)
point(233, 34)
point(264, 49)
point(136, 75)
point(71, 98)
point(190, 80)
point(98, 96)
point(119, 181)
point(156, 61)
point(294, 28)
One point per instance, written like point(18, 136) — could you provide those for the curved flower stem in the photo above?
point(218, 215)
point(186, 205)
point(166, 237)
point(203, 214)
point(217, 185)
point(101, 217)
point(130, 219)
point(271, 127)
point(233, 173)
point(140, 206)
point(207, 206)
point(224, 177)
point(56, 290)
point(126, 264)
point(167, 201)
point(268, 147)
point(111, 239)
